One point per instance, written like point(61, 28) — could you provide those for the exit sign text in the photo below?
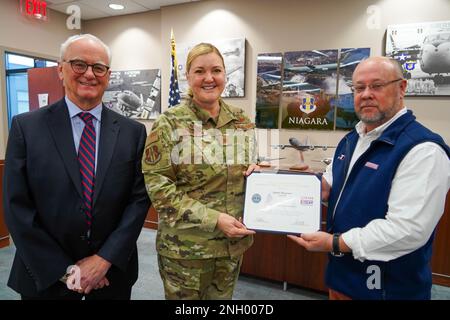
point(34, 8)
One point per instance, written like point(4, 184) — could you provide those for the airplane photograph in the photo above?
point(423, 51)
point(343, 106)
point(135, 93)
point(310, 61)
point(115, 81)
point(315, 88)
point(349, 57)
point(306, 89)
point(268, 90)
point(343, 112)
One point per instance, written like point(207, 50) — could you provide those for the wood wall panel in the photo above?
point(151, 221)
point(304, 268)
point(266, 257)
point(440, 262)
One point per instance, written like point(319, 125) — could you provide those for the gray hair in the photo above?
point(76, 37)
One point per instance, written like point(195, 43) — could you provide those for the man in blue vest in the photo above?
point(386, 191)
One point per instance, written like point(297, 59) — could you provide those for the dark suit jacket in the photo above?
point(43, 203)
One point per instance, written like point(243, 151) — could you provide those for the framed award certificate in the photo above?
point(283, 202)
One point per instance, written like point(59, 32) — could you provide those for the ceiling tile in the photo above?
point(99, 8)
point(157, 4)
point(102, 5)
point(87, 12)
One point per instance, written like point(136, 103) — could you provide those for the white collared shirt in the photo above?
point(416, 201)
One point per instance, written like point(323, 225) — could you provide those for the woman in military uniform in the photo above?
point(194, 164)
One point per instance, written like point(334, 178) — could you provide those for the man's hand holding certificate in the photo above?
point(283, 202)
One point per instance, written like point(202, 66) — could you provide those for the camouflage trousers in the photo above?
point(199, 279)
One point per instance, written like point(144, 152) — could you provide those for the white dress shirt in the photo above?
point(416, 201)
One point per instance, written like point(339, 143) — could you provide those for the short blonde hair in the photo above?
point(199, 50)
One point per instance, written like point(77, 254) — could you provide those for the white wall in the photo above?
point(135, 41)
point(29, 36)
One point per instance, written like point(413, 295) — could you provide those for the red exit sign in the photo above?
point(34, 8)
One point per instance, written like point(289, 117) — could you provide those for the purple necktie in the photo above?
point(86, 160)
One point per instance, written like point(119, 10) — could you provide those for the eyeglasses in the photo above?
point(377, 86)
point(80, 67)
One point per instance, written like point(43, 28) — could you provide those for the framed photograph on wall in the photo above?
point(423, 49)
point(307, 89)
point(343, 111)
point(136, 94)
point(268, 89)
point(309, 85)
point(233, 52)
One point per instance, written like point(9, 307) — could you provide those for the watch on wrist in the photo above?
point(336, 251)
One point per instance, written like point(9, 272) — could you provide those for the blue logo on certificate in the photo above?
point(256, 198)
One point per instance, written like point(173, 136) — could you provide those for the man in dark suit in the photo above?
point(74, 192)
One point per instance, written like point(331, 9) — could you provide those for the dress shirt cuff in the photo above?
point(209, 222)
point(328, 176)
point(352, 240)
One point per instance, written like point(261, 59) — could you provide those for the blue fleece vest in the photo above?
point(365, 198)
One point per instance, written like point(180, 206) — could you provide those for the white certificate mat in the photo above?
point(283, 202)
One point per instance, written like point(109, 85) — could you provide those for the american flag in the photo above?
point(174, 92)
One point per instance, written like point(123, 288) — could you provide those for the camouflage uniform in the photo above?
point(189, 187)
